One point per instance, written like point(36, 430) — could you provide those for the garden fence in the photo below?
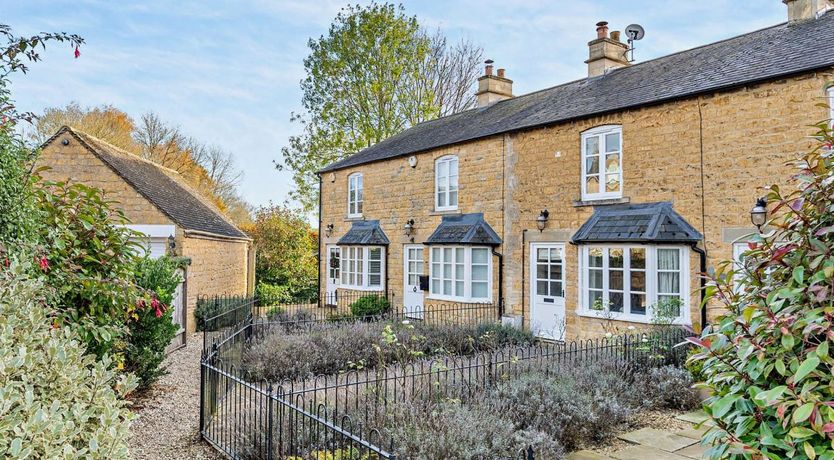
point(217, 314)
point(339, 415)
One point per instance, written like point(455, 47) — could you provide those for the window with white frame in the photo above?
point(446, 183)
point(460, 273)
point(602, 163)
point(355, 195)
point(362, 267)
point(629, 282)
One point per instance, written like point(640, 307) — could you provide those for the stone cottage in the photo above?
point(174, 218)
point(593, 202)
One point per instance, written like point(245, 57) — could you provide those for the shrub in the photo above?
point(152, 328)
point(86, 258)
point(666, 387)
point(57, 402)
point(581, 404)
point(768, 359)
point(453, 431)
point(370, 305)
point(213, 313)
point(269, 294)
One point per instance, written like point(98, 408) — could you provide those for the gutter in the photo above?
point(703, 255)
point(200, 233)
point(318, 256)
point(500, 281)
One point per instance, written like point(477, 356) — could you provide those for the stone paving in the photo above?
point(654, 444)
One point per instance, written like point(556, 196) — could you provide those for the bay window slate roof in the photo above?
point(364, 233)
point(464, 229)
point(766, 54)
point(636, 223)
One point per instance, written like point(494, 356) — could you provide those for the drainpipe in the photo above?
point(385, 292)
point(500, 281)
point(703, 254)
point(318, 291)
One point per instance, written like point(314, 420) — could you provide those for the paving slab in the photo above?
point(658, 439)
point(586, 455)
point(695, 451)
point(694, 417)
point(694, 433)
point(646, 453)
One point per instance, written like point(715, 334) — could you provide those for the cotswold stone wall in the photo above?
point(218, 267)
point(708, 155)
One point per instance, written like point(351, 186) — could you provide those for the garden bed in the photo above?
point(292, 352)
point(422, 388)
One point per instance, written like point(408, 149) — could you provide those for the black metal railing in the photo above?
point(342, 415)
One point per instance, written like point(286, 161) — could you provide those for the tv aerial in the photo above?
point(634, 32)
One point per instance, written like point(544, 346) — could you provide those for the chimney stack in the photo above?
point(606, 52)
point(806, 10)
point(493, 88)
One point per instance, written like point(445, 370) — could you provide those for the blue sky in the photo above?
point(228, 72)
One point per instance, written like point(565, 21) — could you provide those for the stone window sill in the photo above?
point(603, 202)
point(452, 212)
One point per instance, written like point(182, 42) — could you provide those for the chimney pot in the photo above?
point(615, 35)
point(493, 88)
point(602, 29)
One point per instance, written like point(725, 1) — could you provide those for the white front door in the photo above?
point(334, 263)
point(547, 290)
point(413, 269)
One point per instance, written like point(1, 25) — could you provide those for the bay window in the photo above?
point(362, 267)
point(355, 195)
point(602, 163)
point(632, 282)
point(460, 273)
point(446, 183)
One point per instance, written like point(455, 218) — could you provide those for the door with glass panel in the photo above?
point(413, 269)
point(333, 270)
point(547, 285)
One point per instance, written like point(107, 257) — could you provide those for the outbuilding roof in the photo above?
point(365, 233)
point(163, 187)
point(636, 223)
point(766, 54)
point(464, 229)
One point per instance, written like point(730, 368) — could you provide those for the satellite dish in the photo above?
point(635, 32)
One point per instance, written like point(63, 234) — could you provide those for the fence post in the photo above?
point(269, 424)
point(202, 392)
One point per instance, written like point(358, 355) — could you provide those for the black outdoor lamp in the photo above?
point(328, 230)
point(172, 244)
point(541, 221)
point(409, 227)
point(758, 215)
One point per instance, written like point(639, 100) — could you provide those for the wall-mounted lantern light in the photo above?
point(328, 230)
point(409, 227)
point(541, 221)
point(172, 245)
point(758, 215)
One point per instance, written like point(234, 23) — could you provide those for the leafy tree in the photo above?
point(768, 359)
point(375, 74)
point(104, 122)
point(285, 252)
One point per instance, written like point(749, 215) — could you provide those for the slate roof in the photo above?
point(464, 229)
point(765, 54)
point(365, 233)
point(161, 186)
point(636, 223)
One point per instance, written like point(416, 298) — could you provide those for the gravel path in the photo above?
point(168, 422)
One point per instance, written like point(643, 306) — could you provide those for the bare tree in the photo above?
point(451, 73)
point(219, 164)
point(162, 143)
